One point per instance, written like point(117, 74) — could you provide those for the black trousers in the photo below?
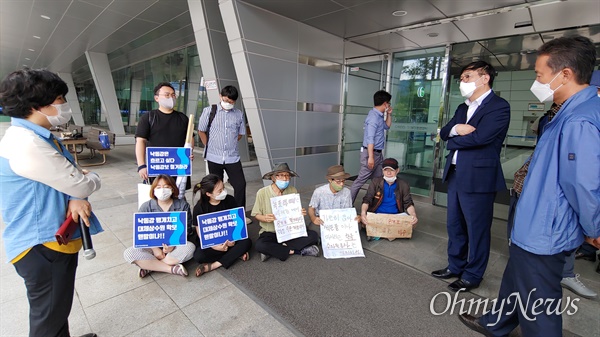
point(50, 281)
point(236, 179)
point(267, 244)
point(227, 258)
point(534, 279)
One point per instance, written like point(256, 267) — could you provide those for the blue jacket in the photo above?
point(478, 161)
point(560, 202)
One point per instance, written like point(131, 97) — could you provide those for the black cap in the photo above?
point(390, 162)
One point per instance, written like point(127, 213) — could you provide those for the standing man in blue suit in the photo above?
point(474, 174)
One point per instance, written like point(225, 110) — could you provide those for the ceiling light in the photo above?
point(28, 59)
point(30, 49)
point(45, 17)
point(399, 13)
point(36, 37)
point(433, 34)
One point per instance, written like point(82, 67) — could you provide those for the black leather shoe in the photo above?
point(91, 334)
point(473, 324)
point(443, 274)
point(462, 284)
point(579, 255)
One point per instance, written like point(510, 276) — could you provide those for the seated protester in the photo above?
point(267, 244)
point(164, 198)
point(331, 196)
point(214, 198)
point(388, 195)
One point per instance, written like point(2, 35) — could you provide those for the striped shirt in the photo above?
point(223, 135)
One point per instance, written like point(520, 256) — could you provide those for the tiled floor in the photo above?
point(112, 301)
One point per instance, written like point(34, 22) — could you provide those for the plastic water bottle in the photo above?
point(103, 138)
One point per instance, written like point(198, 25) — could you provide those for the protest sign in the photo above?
point(290, 221)
point(172, 161)
point(339, 234)
point(217, 227)
point(154, 229)
point(390, 226)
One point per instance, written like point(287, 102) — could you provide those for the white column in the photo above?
point(72, 98)
point(100, 69)
point(134, 103)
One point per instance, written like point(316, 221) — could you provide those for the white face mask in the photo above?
point(63, 114)
point(390, 179)
point(543, 92)
point(163, 194)
point(467, 89)
point(167, 103)
point(221, 196)
point(226, 106)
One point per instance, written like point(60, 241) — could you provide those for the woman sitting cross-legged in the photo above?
point(214, 198)
point(166, 259)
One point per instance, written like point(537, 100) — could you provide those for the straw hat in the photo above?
point(336, 172)
point(283, 167)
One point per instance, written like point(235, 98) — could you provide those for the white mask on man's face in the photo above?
point(167, 103)
point(63, 114)
point(542, 91)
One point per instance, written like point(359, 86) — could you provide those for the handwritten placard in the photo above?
point(289, 223)
point(339, 234)
point(217, 227)
point(172, 161)
point(390, 226)
point(154, 229)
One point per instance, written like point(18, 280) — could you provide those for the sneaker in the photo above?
point(576, 286)
point(310, 251)
point(248, 221)
point(264, 257)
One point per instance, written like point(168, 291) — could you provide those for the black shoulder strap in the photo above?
point(213, 112)
point(151, 118)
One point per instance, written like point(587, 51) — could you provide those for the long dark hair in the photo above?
point(206, 185)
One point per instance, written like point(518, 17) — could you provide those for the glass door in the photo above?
point(417, 88)
point(364, 76)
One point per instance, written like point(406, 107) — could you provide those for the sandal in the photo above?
point(245, 257)
point(144, 272)
point(179, 269)
point(203, 269)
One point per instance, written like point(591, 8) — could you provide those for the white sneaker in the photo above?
point(576, 286)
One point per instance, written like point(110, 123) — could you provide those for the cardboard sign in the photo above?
point(290, 221)
point(217, 227)
point(339, 234)
point(154, 229)
point(172, 161)
point(389, 226)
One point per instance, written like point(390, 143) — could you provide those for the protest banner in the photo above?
point(339, 234)
point(154, 229)
point(172, 161)
point(290, 221)
point(217, 227)
point(390, 226)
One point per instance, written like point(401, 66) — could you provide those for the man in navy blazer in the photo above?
point(474, 174)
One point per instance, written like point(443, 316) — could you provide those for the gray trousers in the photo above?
point(365, 174)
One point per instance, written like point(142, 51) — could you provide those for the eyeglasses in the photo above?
point(339, 181)
point(167, 95)
point(283, 176)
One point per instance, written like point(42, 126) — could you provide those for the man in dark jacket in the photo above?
point(388, 195)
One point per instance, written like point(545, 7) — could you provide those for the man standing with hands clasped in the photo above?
point(371, 156)
point(220, 128)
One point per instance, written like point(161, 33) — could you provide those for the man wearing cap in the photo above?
point(267, 244)
point(371, 154)
point(388, 195)
point(331, 196)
